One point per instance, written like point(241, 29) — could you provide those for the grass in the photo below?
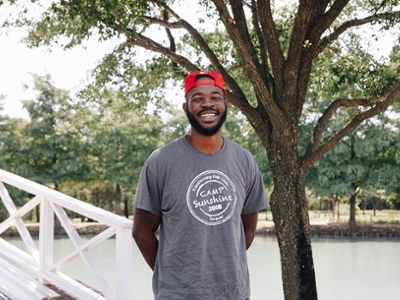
point(362, 217)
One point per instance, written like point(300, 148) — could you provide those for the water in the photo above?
point(346, 268)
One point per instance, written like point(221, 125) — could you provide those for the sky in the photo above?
point(68, 69)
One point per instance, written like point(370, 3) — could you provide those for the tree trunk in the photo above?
point(290, 213)
point(37, 210)
point(110, 204)
point(335, 205)
point(374, 205)
point(288, 203)
point(126, 207)
point(364, 205)
point(117, 199)
point(97, 197)
point(352, 221)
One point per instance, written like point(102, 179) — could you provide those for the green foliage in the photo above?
point(239, 130)
point(175, 126)
point(354, 70)
point(367, 159)
point(81, 150)
point(119, 143)
point(117, 140)
point(76, 20)
point(130, 79)
point(49, 157)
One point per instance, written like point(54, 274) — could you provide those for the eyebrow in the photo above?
point(200, 93)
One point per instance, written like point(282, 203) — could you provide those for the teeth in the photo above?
point(208, 114)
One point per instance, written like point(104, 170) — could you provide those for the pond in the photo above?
point(346, 268)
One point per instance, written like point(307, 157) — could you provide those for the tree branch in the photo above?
point(172, 44)
point(354, 23)
point(271, 35)
point(302, 21)
point(315, 151)
point(268, 79)
point(236, 95)
point(247, 55)
point(138, 39)
point(181, 23)
point(244, 36)
point(323, 20)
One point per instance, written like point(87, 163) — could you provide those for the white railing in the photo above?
point(18, 283)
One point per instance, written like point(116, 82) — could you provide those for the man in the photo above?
point(204, 192)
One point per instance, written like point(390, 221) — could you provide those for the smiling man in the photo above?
point(203, 192)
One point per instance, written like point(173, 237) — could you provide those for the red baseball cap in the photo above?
point(215, 79)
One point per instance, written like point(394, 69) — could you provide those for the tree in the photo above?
point(268, 61)
point(4, 130)
point(361, 163)
point(239, 130)
point(53, 157)
point(118, 142)
point(49, 157)
point(12, 141)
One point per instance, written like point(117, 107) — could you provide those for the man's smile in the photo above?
point(208, 114)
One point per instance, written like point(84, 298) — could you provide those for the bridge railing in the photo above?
point(38, 269)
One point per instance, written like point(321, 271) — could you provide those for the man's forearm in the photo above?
point(145, 225)
point(148, 246)
point(249, 225)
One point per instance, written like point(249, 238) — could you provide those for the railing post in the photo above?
point(46, 238)
point(124, 276)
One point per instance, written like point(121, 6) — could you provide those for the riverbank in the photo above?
point(318, 228)
point(327, 229)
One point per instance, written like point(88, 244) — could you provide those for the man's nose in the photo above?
point(207, 102)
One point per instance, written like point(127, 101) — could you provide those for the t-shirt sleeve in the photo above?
point(148, 194)
point(256, 198)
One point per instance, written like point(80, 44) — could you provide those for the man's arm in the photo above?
point(145, 225)
point(249, 224)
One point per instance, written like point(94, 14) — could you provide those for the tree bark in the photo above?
point(290, 214)
point(37, 211)
point(374, 205)
point(126, 207)
point(352, 220)
point(364, 205)
point(118, 199)
point(97, 197)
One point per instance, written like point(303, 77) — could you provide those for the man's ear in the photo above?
point(184, 107)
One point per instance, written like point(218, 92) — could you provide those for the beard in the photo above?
point(206, 131)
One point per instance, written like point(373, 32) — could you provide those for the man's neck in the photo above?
point(207, 144)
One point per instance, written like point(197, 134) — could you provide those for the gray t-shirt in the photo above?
point(201, 197)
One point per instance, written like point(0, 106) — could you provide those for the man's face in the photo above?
point(206, 109)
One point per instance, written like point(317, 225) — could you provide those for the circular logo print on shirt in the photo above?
point(211, 197)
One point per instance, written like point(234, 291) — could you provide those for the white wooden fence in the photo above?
point(18, 283)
